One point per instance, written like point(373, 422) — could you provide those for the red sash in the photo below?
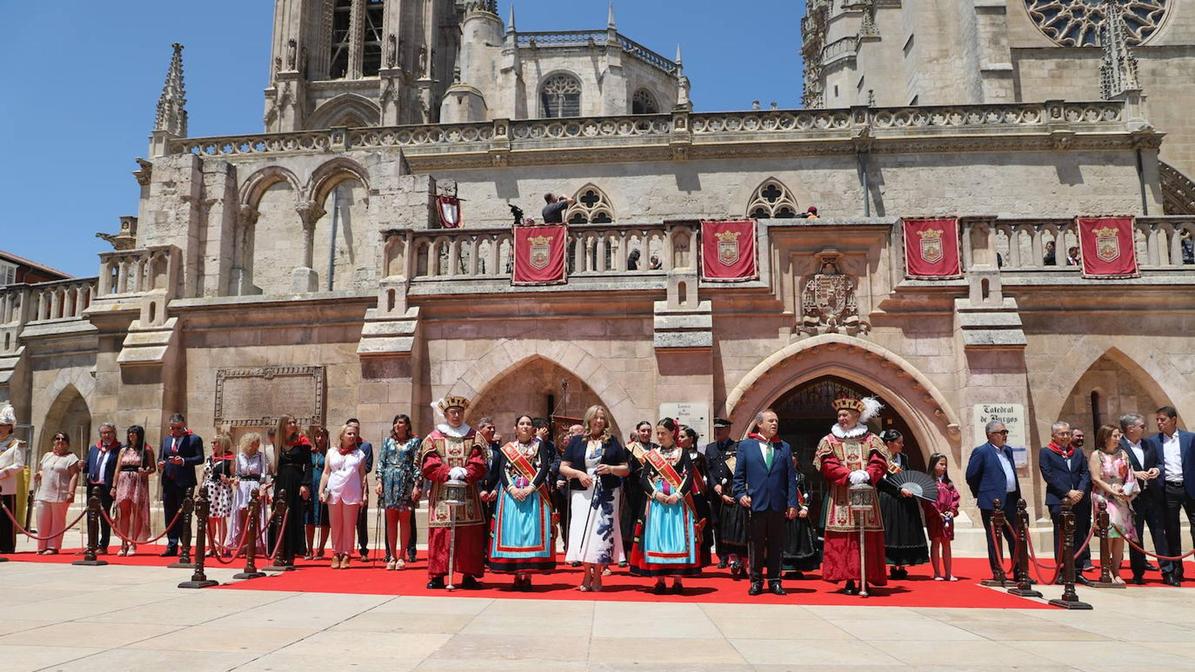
point(668, 472)
point(524, 465)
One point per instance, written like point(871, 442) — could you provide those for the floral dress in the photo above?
point(1115, 470)
point(397, 471)
point(219, 494)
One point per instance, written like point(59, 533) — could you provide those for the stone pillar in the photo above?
point(304, 278)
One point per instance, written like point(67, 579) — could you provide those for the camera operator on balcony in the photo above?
point(556, 205)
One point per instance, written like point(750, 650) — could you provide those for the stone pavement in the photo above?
point(61, 617)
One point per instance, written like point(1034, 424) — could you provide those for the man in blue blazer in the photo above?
point(100, 476)
point(992, 476)
point(1068, 480)
point(1177, 473)
point(180, 452)
point(766, 482)
point(1150, 504)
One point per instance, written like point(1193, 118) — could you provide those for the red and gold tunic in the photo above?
point(438, 454)
point(836, 457)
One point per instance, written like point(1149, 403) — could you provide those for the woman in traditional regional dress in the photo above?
point(292, 480)
point(398, 487)
point(216, 481)
point(134, 464)
point(595, 464)
point(701, 490)
point(1110, 472)
point(632, 494)
point(316, 514)
point(732, 518)
point(904, 530)
point(667, 536)
point(521, 543)
point(851, 455)
point(802, 552)
point(252, 473)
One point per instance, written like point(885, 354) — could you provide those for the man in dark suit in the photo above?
point(100, 476)
point(1149, 505)
point(766, 483)
point(715, 457)
point(181, 452)
point(992, 475)
point(1176, 466)
point(1068, 480)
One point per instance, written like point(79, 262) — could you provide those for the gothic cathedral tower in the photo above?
point(360, 62)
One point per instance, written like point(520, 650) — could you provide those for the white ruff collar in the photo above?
point(455, 432)
point(854, 433)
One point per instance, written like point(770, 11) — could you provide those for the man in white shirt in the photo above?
point(1176, 461)
point(1149, 505)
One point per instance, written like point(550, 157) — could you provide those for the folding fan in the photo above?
point(918, 483)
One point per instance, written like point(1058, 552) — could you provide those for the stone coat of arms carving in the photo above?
point(828, 303)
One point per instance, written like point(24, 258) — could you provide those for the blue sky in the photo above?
point(79, 103)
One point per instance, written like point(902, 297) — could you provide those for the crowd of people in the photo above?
point(661, 504)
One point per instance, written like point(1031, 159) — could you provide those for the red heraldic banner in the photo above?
point(1106, 247)
point(728, 251)
point(931, 249)
point(539, 255)
point(449, 208)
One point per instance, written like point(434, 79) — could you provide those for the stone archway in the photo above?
point(933, 426)
point(68, 413)
point(1111, 387)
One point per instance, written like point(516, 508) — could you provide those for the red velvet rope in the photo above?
point(1166, 558)
point(20, 528)
point(112, 524)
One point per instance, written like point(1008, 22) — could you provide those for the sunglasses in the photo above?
point(1003, 431)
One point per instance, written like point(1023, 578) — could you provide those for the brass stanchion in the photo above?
point(93, 533)
point(250, 571)
point(279, 515)
point(999, 520)
point(1069, 599)
point(1102, 528)
point(1024, 587)
point(188, 506)
point(198, 578)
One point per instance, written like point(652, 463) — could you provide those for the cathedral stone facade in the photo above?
point(304, 270)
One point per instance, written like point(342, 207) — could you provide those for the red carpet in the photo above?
point(713, 586)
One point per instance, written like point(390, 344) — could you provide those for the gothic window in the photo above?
point(560, 96)
point(772, 200)
point(342, 21)
point(1076, 23)
point(644, 103)
point(592, 206)
point(371, 52)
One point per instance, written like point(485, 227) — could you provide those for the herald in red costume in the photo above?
point(447, 448)
point(850, 452)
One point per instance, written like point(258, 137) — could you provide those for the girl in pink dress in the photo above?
point(939, 518)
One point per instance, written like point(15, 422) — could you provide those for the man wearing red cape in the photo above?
point(850, 454)
point(454, 451)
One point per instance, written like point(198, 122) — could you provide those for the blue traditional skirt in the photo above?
point(666, 542)
point(521, 540)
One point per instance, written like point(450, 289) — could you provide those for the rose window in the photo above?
point(1076, 23)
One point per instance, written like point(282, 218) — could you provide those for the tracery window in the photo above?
point(342, 22)
point(1076, 23)
point(560, 96)
point(371, 49)
point(592, 207)
point(772, 200)
point(644, 103)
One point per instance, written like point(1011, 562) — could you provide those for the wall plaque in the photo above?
point(1013, 417)
point(256, 397)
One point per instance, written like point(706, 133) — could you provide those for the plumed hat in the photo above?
point(455, 401)
point(867, 407)
point(8, 415)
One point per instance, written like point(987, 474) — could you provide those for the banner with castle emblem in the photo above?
point(932, 249)
point(1106, 247)
point(539, 255)
point(449, 209)
point(728, 251)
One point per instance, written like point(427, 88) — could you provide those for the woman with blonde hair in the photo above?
point(595, 464)
point(134, 464)
point(251, 474)
point(342, 487)
point(217, 480)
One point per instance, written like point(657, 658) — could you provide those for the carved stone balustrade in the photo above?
point(61, 299)
point(140, 271)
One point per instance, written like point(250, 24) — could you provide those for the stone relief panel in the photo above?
point(828, 301)
point(258, 396)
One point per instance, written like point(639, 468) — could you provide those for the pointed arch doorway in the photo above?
point(806, 415)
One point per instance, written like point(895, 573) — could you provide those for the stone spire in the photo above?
point(680, 64)
point(610, 25)
point(1118, 69)
point(510, 24)
point(172, 104)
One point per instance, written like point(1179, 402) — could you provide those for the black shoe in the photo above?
point(902, 573)
point(756, 588)
point(722, 563)
point(776, 588)
point(894, 573)
point(850, 588)
point(411, 556)
point(1171, 580)
point(470, 583)
point(736, 570)
point(678, 589)
point(170, 552)
point(1083, 580)
point(1150, 567)
point(1139, 580)
point(437, 583)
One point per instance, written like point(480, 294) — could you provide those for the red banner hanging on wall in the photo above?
point(728, 251)
point(931, 249)
point(1106, 247)
point(449, 209)
point(539, 255)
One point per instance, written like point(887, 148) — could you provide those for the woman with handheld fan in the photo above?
point(904, 531)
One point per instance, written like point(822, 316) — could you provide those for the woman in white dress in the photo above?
point(595, 464)
point(252, 474)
